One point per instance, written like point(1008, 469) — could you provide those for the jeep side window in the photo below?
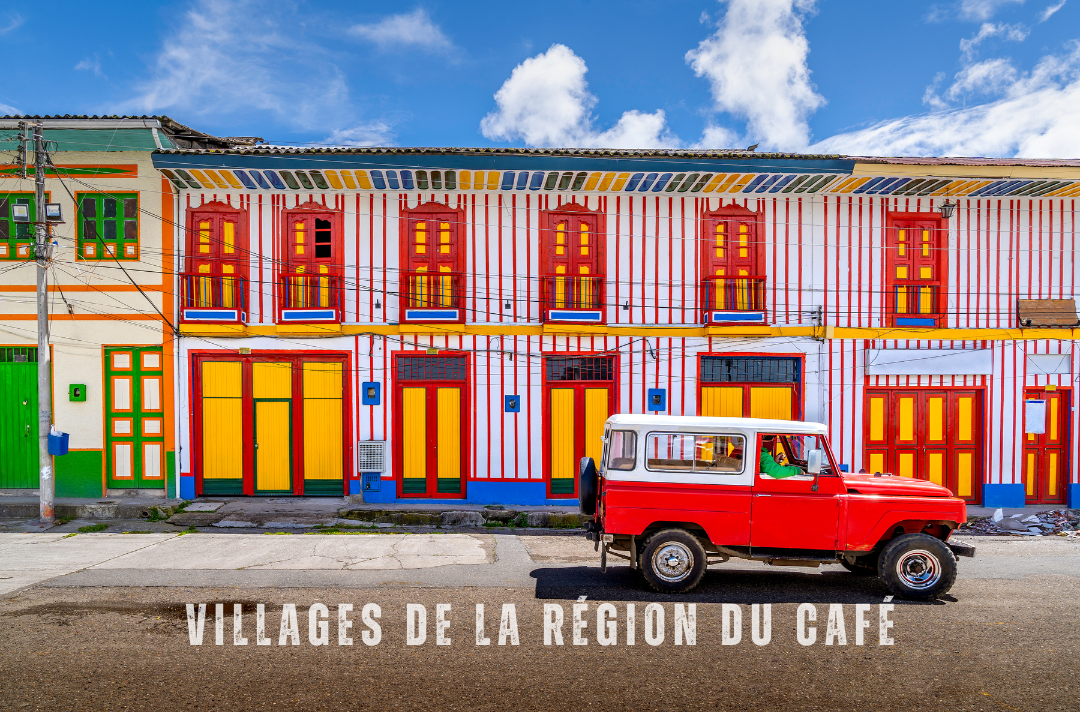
point(685, 452)
point(622, 450)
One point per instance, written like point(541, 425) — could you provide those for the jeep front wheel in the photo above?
point(917, 566)
point(673, 561)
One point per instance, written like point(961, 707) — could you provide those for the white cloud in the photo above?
point(413, 29)
point(14, 21)
point(8, 110)
point(1014, 33)
point(983, 9)
point(756, 62)
point(714, 137)
point(90, 64)
point(377, 133)
point(1035, 116)
point(991, 76)
point(546, 102)
point(230, 56)
point(1050, 10)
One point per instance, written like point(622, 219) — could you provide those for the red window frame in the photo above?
point(732, 246)
point(926, 264)
point(559, 292)
point(328, 291)
point(208, 265)
point(440, 255)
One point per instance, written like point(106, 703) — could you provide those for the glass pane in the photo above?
point(89, 208)
point(89, 230)
point(622, 450)
point(3, 207)
point(131, 230)
point(131, 208)
point(110, 229)
point(109, 208)
point(712, 454)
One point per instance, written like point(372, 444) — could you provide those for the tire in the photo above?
point(588, 484)
point(863, 566)
point(917, 566)
point(673, 561)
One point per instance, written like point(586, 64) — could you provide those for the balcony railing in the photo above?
point(307, 297)
point(432, 296)
point(733, 299)
point(206, 297)
point(915, 305)
point(572, 297)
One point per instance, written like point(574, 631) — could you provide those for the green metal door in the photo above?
point(135, 417)
point(18, 418)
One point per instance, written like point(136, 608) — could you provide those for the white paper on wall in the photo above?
point(1035, 416)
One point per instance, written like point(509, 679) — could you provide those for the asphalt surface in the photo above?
point(116, 637)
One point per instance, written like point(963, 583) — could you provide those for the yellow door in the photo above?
point(271, 390)
point(722, 401)
point(273, 445)
point(323, 429)
point(596, 414)
point(414, 449)
point(449, 439)
point(222, 427)
point(563, 467)
point(770, 402)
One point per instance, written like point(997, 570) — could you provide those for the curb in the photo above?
point(93, 510)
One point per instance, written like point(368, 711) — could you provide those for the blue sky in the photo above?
point(952, 77)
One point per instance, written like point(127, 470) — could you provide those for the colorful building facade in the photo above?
point(110, 289)
point(457, 324)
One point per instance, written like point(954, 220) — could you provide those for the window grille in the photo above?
point(18, 354)
point(426, 368)
point(722, 369)
point(587, 368)
point(371, 456)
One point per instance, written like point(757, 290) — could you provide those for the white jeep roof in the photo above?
point(681, 422)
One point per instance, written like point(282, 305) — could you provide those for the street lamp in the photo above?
point(947, 209)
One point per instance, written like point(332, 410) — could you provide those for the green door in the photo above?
point(18, 418)
point(135, 415)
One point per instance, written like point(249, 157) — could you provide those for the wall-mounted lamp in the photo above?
point(378, 304)
point(947, 209)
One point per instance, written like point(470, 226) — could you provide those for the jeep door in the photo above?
point(787, 513)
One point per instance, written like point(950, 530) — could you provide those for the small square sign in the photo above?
point(657, 399)
point(371, 393)
point(512, 404)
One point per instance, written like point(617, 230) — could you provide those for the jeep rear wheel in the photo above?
point(917, 566)
point(673, 561)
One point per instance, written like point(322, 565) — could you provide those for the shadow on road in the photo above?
point(718, 586)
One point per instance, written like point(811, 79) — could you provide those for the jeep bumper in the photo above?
point(961, 549)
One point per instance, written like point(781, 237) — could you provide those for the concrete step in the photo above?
point(78, 508)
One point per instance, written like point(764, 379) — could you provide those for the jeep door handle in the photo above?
point(763, 495)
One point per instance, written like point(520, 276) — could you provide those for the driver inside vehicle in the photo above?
point(768, 465)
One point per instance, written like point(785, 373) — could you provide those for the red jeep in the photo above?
point(674, 494)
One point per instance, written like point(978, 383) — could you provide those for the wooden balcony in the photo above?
point(206, 298)
point(432, 297)
point(733, 300)
point(308, 297)
point(572, 298)
point(915, 305)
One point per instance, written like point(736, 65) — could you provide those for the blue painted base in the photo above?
point(995, 496)
point(1074, 496)
point(187, 487)
point(387, 492)
point(356, 486)
point(480, 492)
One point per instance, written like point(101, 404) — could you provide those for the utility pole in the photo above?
point(46, 479)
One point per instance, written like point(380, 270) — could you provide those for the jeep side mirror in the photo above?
point(813, 461)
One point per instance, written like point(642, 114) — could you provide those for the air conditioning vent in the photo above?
point(371, 456)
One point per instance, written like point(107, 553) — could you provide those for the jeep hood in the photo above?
point(894, 485)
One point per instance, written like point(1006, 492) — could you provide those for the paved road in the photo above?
point(105, 627)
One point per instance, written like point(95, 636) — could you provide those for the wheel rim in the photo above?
point(672, 561)
point(919, 569)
